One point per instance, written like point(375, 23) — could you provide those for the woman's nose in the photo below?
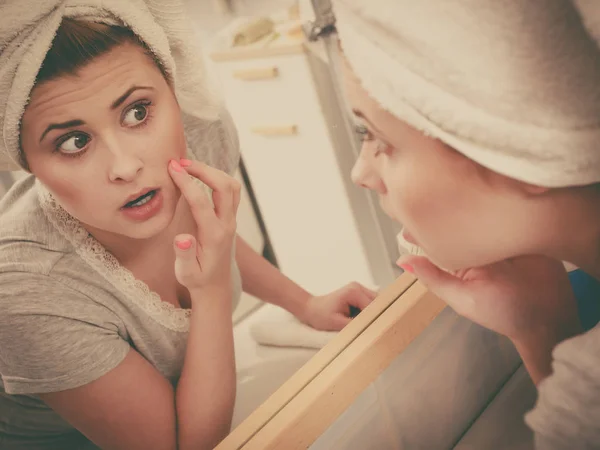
point(124, 164)
point(364, 173)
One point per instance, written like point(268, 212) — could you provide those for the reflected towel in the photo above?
point(512, 84)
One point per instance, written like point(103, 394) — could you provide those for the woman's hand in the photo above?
point(204, 261)
point(331, 312)
point(520, 298)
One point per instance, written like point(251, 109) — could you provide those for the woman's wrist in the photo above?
point(214, 293)
point(297, 303)
point(546, 334)
point(536, 346)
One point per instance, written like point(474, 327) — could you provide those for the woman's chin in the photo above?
point(448, 263)
point(145, 231)
point(150, 228)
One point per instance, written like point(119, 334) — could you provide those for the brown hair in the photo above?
point(78, 42)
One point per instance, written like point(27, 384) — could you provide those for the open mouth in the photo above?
point(141, 200)
point(408, 237)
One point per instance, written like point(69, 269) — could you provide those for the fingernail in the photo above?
point(407, 268)
point(185, 162)
point(184, 245)
point(175, 166)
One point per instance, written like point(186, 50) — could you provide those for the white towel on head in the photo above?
point(513, 85)
point(27, 28)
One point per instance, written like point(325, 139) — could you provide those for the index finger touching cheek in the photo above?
point(226, 189)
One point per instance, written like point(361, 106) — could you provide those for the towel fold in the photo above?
point(512, 84)
point(27, 28)
point(279, 328)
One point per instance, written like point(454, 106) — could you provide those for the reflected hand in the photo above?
point(331, 312)
point(519, 297)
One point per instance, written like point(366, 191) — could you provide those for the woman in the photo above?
point(481, 124)
point(118, 277)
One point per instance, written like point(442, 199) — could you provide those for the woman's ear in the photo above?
point(521, 186)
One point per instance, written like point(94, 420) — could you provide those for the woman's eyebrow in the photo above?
point(77, 122)
point(360, 115)
point(62, 126)
point(118, 102)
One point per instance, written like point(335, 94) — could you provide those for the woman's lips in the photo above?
point(408, 237)
point(147, 210)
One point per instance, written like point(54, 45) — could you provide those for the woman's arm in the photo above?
point(528, 299)
point(332, 311)
point(263, 280)
point(134, 407)
point(205, 393)
point(536, 348)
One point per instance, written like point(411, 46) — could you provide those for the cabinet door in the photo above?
point(305, 208)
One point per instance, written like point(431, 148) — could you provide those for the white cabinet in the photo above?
point(290, 159)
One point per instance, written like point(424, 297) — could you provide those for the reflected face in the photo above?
point(102, 138)
point(460, 213)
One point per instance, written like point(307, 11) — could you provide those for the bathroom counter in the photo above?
point(261, 370)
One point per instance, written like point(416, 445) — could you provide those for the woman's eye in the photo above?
point(136, 115)
point(373, 143)
point(363, 132)
point(381, 147)
point(74, 144)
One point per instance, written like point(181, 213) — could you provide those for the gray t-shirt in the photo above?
point(69, 313)
point(567, 413)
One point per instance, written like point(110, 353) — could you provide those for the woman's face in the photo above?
point(101, 138)
point(461, 214)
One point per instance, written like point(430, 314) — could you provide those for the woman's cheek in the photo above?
point(171, 136)
point(417, 206)
point(404, 190)
point(62, 183)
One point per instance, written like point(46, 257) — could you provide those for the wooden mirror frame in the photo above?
point(331, 380)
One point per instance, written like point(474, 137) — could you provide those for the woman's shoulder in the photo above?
point(69, 294)
point(34, 256)
point(64, 287)
point(28, 241)
point(20, 200)
point(54, 335)
point(567, 412)
point(583, 351)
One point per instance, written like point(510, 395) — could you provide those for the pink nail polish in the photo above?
point(185, 162)
point(407, 268)
point(176, 166)
point(184, 245)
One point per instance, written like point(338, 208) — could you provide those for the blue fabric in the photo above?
point(587, 292)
